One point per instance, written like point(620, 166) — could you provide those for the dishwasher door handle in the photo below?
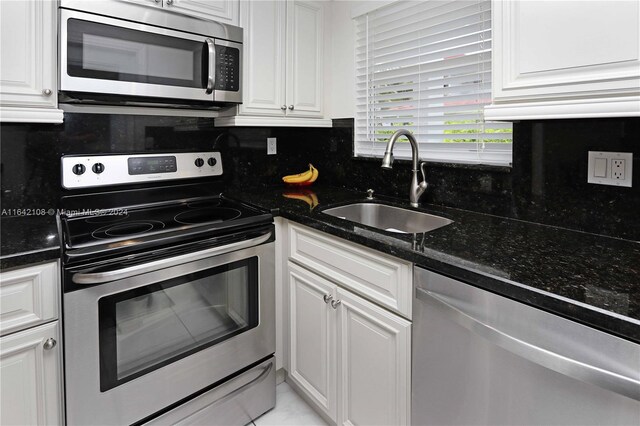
point(597, 376)
point(88, 278)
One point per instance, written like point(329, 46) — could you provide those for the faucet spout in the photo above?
point(417, 188)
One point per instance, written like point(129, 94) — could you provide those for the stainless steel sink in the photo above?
point(388, 218)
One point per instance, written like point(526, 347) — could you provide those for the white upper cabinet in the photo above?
point(226, 11)
point(28, 89)
point(283, 64)
point(565, 59)
point(305, 21)
point(264, 24)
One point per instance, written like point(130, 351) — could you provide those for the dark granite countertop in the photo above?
point(592, 279)
point(28, 239)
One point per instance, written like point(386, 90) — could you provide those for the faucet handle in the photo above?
point(369, 194)
point(422, 164)
point(424, 183)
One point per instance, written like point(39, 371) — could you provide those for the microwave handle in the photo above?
point(211, 69)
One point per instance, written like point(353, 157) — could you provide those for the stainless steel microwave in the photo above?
point(123, 53)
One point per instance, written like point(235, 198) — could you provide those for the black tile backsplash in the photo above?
point(546, 184)
point(550, 175)
point(30, 153)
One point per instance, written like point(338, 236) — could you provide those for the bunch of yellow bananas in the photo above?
point(305, 178)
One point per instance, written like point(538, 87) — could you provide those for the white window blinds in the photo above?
point(425, 66)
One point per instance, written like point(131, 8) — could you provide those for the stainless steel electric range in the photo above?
point(168, 294)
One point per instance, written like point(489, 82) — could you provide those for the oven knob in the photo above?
point(98, 168)
point(211, 161)
point(78, 169)
point(199, 162)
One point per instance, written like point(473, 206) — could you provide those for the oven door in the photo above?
point(105, 57)
point(139, 344)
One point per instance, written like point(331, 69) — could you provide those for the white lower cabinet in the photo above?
point(375, 363)
point(30, 349)
point(30, 377)
point(348, 355)
point(312, 338)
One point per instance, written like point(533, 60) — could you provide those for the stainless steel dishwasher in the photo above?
point(480, 358)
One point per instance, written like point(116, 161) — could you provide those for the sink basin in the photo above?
point(389, 218)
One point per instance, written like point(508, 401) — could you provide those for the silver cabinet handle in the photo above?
point(283, 107)
point(614, 382)
point(49, 344)
point(47, 92)
point(335, 303)
point(291, 107)
point(369, 194)
point(211, 71)
point(118, 274)
point(327, 298)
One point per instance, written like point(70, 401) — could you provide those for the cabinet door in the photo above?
point(374, 353)
point(550, 50)
point(215, 10)
point(305, 47)
point(312, 354)
point(31, 378)
point(28, 89)
point(264, 60)
point(156, 3)
point(28, 297)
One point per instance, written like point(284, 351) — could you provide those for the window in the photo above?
point(426, 66)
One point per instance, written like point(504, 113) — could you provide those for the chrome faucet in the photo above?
point(417, 189)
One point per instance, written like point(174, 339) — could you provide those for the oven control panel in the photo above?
point(84, 171)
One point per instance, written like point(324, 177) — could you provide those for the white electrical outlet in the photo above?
point(271, 146)
point(610, 168)
point(617, 169)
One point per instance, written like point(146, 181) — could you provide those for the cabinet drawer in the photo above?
point(376, 276)
point(28, 296)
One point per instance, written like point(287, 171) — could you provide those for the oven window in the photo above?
point(149, 327)
point(108, 52)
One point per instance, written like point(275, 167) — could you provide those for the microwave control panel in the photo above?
point(227, 68)
point(84, 171)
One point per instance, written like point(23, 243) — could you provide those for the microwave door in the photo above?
point(102, 55)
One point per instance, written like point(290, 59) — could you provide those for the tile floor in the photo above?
point(290, 410)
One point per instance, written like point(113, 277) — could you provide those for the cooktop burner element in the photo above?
point(204, 203)
point(153, 223)
point(107, 218)
point(207, 215)
point(126, 229)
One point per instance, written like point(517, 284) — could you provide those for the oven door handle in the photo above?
point(90, 278)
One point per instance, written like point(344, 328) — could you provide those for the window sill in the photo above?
point(498, 168)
